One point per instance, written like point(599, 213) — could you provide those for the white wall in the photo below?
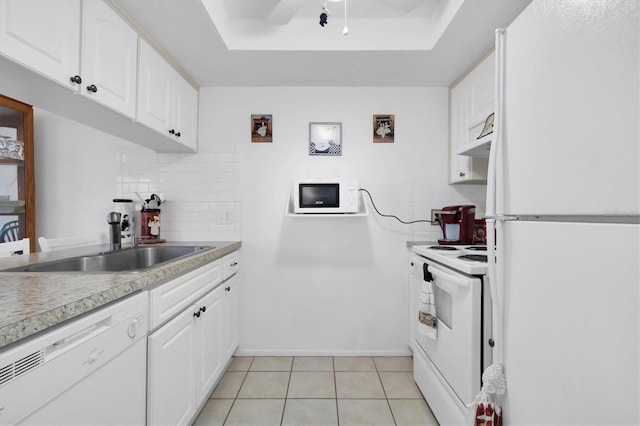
point(75, 173)
point(330, 285)
point(312, 285)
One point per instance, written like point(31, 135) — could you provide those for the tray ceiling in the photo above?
point(392, 43)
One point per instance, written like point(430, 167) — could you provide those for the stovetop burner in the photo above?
point(477, 248)
point(474, 257)
point(443, 248)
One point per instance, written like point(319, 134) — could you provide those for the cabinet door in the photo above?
point(208, 350)
point(43, 35)
point(155, 86)
point(481, 93)
point(171, 398)
point(109, 58)
point(185, 113)
point(231, 317)
point(459, 118)
point(462, 168)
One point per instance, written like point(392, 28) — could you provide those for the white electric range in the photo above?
point(468, 259)
point(448, 362)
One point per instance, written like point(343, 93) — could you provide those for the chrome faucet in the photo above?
point(115, 242)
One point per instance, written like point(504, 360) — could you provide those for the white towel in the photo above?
point(427, 320)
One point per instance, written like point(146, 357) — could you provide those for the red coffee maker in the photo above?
point(457, 224)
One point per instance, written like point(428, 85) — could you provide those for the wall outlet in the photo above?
point(435, 217)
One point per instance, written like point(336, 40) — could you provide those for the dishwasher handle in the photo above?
point(66, 344)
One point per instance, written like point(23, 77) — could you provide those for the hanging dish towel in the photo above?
point(427, 320)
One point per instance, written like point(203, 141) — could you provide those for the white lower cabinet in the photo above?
point(232, 306)
point(208, 351)
point(187, 353)
point(171, 390)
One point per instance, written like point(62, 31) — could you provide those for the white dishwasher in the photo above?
point(88, 371)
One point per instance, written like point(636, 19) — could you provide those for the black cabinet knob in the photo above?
point(196, 314)
point(76, 79)
point(203, 309)
point(227, 289)
point(178, 134)
point(92, 88)
point(172, 132)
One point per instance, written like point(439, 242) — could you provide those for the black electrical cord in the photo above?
point(390, 215)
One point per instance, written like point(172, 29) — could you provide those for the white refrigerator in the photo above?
point(564, 195)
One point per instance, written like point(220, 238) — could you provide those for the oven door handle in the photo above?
point(458, 280)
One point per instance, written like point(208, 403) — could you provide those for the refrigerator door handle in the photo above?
point(502, 218)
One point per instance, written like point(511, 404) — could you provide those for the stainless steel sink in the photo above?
point(132, 259)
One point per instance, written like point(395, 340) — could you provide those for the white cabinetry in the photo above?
point(46, 37)
point(195, 322)
point(51, 50)
point(471, 102)
point(109, 58)
point(230, 266)
point(171, 389)
point(166, 102)
point(42, 35)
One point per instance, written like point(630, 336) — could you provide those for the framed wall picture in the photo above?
point(325, 138)
point(384, 128)
point(261, 128)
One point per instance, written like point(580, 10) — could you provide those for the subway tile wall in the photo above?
point(200, 192)
point(202, 198)
point(427, 194)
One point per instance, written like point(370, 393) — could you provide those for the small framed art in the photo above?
point(325, 138)
point(384, 128)
point(262, 128)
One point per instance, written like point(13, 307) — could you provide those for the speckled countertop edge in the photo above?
point(32, 302)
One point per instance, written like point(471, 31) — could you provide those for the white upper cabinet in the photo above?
point(109, 58)
point(166, 102)
point(471, 103)
point(43, 35)
point(186, 113)
point(52, 50)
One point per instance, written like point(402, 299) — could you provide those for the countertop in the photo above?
point(31, 302)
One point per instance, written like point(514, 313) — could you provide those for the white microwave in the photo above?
point(325, 195)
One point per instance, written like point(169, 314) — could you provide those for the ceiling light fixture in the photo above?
point(345, 30)
point(324, 15)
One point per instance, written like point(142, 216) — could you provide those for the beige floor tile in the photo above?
point(354, 363)
point(272, 363)
point(259, 412)
point(352, 412)
point(240, 363)
point(311, 384)
point(393, 363)
point(214, 412)
point(229, 385)
point(399, 385)
point(261, 384)
point(358, 384)
point(310, 412)
point(313, 363)
point(412, 412)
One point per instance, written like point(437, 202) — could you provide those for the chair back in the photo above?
point(13, 248)
point(10, 232)
point(50, 244)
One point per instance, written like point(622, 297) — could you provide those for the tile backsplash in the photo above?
point(432, 194)
point(200, 192)
point(202, 197)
